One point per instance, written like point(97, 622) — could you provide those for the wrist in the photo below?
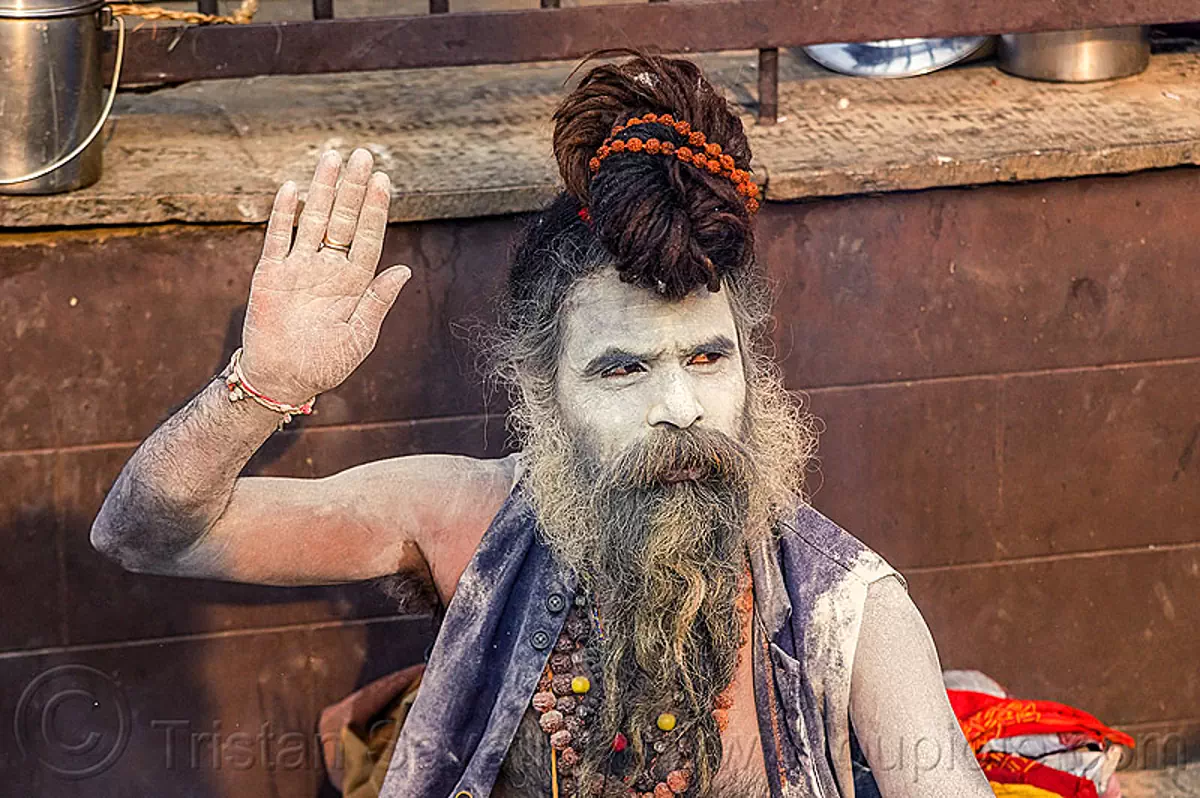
point(269, 379)
point(240, 387)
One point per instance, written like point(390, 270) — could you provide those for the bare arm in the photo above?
point(179, 507)
point(899, 707)
point(179, 482)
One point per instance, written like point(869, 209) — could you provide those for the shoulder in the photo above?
point(461, 495)
point(488, 473)
point(894, 642)
point(893, 635)
point(442, 503)
point(809, 536)
point(889, 604)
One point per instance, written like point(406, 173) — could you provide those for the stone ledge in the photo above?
point(475, 141)
point(1175, 782)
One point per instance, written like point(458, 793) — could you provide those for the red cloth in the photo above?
point(985, 717)
point(1013, 769)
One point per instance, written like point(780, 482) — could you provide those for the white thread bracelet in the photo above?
point(240, 389)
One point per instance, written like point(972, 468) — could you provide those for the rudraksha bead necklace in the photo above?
point(568, 701)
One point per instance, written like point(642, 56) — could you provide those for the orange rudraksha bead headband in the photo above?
point(702, 154)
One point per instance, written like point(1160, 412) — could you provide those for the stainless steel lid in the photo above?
point(46, 9)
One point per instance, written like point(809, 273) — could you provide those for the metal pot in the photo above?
point(1076, 56)
point(50, 92)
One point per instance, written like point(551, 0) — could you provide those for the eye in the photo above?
point(705, 358)
point(624, 370)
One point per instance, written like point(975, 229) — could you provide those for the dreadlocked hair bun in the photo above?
point(671, 227)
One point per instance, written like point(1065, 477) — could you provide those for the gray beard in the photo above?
point(664, 560)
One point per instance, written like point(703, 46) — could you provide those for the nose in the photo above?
point(676, 403)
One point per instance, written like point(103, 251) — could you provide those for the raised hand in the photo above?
point(315, 306)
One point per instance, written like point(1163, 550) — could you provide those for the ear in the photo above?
point(535, 392)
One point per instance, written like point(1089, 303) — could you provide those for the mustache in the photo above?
point(702, 456)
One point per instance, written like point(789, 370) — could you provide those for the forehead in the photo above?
point(602, 312)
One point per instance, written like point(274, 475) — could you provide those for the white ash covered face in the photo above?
point(632, 363)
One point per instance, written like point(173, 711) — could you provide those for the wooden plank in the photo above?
point(30, 532)
point(148, 704)
point(974, 125)
point(1000, 279)
point(476, 141)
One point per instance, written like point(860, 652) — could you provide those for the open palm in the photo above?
point(315, 310)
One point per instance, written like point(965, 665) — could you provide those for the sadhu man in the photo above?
point(640, 602)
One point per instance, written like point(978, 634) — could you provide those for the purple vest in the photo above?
point(509, 608)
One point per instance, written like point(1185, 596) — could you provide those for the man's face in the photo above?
point(633, 364)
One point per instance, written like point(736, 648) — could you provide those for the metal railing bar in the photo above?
point(469, 38)
point(768, 86)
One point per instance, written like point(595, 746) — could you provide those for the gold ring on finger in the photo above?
point(329, 243)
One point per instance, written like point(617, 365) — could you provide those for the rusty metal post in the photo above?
point(439, 6)
point(322, 9)
point(207, 7)
point(768, 86)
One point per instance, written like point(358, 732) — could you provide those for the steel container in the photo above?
point(50, 92)
point(1076, 56)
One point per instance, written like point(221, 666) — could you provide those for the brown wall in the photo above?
point(1008, 377)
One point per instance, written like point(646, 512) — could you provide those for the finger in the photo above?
point(315, 216)
point(278, 242)
point(349, 199)
point(372, 224)
point(377, 300)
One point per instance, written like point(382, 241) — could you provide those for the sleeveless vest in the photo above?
point(508, 610)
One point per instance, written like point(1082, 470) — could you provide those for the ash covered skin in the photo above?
point(899, 706)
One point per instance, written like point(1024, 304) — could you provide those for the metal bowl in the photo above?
point(897, 58)
point(1076, 56)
